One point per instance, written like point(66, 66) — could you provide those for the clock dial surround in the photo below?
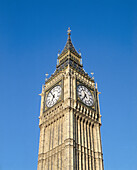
point(85, 95)
point(53, 96)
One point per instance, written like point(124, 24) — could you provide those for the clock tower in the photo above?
point(70, 117)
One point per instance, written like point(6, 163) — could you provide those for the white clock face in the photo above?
point(85, 95)
point(53, 96)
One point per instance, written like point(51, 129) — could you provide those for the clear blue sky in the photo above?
point(31, 33)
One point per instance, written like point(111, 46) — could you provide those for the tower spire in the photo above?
point(69, 46)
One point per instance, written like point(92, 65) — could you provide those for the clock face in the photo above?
point(53, 96)
point(85, 95)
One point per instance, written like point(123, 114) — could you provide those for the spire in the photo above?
point(69, 46)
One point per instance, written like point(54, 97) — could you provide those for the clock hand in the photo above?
point(53, 96)
point(84, 96)
point(51, 93)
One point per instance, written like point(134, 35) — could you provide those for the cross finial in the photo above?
point(69, 31)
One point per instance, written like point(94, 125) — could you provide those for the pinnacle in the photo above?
point(69, 46)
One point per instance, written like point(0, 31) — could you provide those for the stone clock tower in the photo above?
point(70, 117)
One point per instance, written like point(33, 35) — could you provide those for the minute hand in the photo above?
point(51, 93)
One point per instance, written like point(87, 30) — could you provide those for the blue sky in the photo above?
point(31, 33)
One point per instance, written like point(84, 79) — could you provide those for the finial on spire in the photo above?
point(46, 77)
point(69, 32)
point(79, 52)
point(92, 74)
point(58, 53)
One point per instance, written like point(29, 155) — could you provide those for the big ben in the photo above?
point(70, 118)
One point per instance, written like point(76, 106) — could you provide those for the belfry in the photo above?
point(70, 118)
